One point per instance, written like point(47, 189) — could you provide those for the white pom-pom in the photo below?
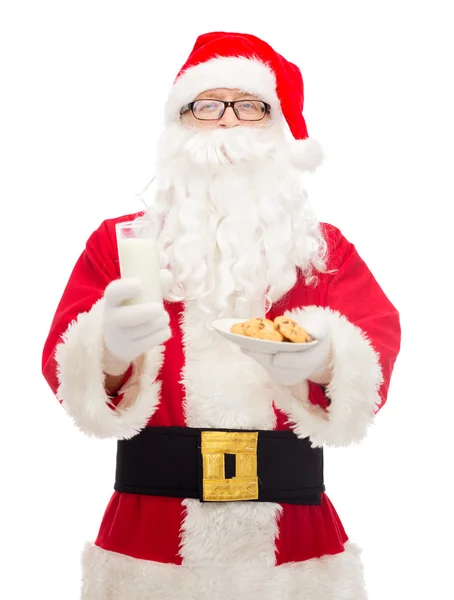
point(306, 154)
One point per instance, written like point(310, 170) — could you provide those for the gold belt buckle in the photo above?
point(245, 484)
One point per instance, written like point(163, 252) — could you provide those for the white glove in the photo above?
point(290, 368)
point(131, 330)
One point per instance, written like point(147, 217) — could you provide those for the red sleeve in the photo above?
point(353, 291)
point(96, 267)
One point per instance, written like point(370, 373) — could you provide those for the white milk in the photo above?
point(140, 258)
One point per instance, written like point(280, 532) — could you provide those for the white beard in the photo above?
point(232, 219)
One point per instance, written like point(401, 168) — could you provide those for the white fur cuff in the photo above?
point(81, 382)
point(356, 377)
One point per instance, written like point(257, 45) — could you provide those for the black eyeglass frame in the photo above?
point(190, 106)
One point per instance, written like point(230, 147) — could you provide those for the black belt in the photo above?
point(220, 465)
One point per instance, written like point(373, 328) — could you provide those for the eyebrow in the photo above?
point(240, 95)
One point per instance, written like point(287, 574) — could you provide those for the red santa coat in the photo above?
point(155, 547)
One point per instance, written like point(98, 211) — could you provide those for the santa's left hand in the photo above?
point(290, 368)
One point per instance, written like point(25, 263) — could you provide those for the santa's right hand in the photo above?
point(132, 330)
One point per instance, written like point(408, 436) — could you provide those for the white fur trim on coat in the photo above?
point(233, 72)
point(225, 389)
point(111, 576)
point(353, 390)
point(81, 382)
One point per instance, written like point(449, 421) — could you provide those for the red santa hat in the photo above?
point(245, 62)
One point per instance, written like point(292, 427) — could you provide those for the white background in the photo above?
point(83, 86)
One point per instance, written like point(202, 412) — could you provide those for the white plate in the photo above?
point(223, 327)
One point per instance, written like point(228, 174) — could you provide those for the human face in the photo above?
point(229, 118)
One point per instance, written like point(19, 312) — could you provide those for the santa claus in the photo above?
point(219, 488)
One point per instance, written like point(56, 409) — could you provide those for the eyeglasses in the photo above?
point(213, 110)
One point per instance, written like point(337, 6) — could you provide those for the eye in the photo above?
point(206, 106)
point(250, 106)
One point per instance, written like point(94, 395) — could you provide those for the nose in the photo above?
point(228, 119)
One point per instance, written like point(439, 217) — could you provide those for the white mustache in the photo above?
point(222, 146)
point(231, 146)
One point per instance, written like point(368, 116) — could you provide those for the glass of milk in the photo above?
point(139, 257)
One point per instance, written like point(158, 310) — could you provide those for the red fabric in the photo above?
point(309, 531)
point(281, 420)
point(289, 81)
point(147, 527)
point(170, 411)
